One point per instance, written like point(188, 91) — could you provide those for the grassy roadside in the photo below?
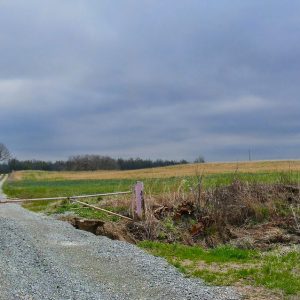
point(226, 265)
point(65, 206)
point(176, 218)
point(44, 188)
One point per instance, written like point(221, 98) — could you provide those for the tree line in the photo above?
point(86, 163)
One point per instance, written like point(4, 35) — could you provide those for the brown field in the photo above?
point(165, 172)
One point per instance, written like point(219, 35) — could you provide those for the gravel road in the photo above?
point(43, 258)
point(2, 180)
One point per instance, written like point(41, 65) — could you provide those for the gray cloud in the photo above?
point(170, 79)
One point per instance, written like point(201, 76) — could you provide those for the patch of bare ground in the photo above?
point(265, 236)
point(113, 230)
point(250, 292)
point(224, 267)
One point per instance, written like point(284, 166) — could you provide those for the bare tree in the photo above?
point(4, 152)
point(199, 160)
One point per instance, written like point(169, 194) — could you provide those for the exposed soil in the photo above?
point(258, 293)
point(112, 230)
point(264, 236)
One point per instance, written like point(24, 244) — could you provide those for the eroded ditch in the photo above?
point(116, 231)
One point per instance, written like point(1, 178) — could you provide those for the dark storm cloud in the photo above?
point(170, 79)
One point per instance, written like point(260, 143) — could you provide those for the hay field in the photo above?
point(165, 172)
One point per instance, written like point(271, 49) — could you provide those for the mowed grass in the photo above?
point(53, 188)
point(36, 184)
point(63, 206)
point(226, 265)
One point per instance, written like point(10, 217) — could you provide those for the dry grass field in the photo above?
point(166, 172)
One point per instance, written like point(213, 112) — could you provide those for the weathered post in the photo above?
point(138, 203)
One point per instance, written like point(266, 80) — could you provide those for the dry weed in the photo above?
point(209, 215)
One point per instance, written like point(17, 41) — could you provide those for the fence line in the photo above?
point(65, 198)
point(137, 203)
point(102, 209)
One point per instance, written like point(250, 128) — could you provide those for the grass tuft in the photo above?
point(183, 252)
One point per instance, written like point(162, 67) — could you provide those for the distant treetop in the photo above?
point(88, 162)
point(200, 159)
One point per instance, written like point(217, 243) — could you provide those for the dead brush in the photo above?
point(151, 223)
point(241, 202)
point(201, 214)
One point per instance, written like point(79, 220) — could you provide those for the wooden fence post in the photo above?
point(138, 203)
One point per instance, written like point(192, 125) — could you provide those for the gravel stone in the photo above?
point(43, 258)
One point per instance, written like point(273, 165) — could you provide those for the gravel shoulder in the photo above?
point(43, 258)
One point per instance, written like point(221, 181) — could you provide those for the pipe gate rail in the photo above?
point(137, 204)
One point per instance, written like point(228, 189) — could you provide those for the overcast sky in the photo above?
point(168, 79)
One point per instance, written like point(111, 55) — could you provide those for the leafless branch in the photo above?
point(4, 152)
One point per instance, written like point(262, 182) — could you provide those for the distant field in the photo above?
point(167, 172)
point(28, 184)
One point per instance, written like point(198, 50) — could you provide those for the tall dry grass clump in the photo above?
point(199, 214)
